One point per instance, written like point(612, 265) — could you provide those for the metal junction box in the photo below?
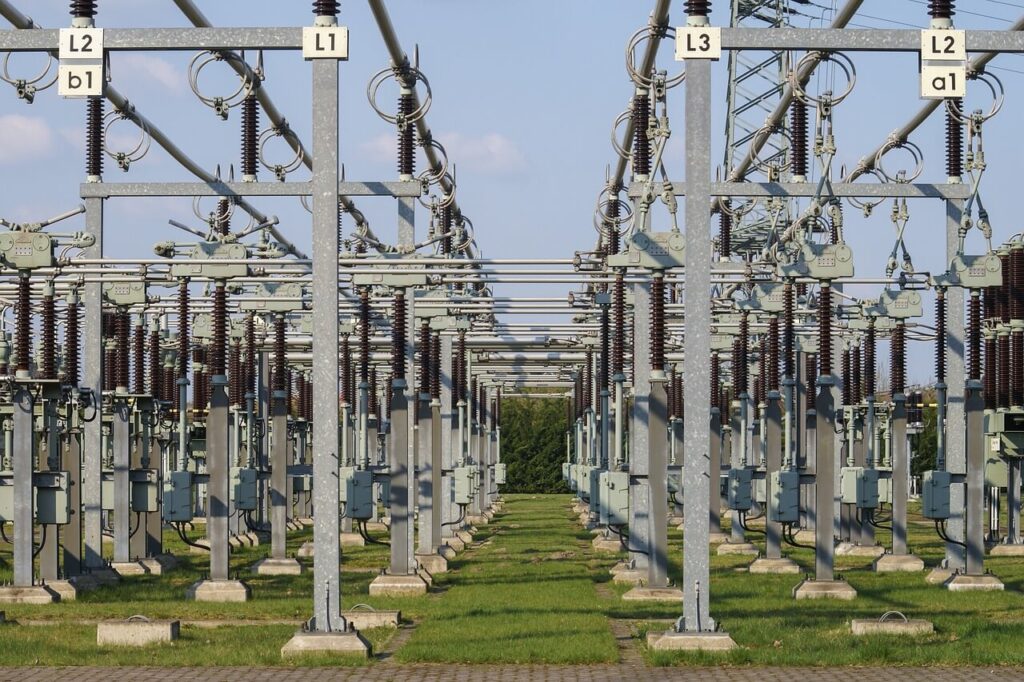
point(859, 486)
point(1006, 431)
point(6, 496)
point(463, 485)
point(500, 473)
point(302, 483)
point(145, 492)
point(356, 491)
point(178, 497)
point(740, 497)
point(652, 250)
point(244, 488)
point(821, 261)
point(784, 505)
point(53, 505)
point(935, 495)
point(615, 498)
point(595, 489)
point(26, 250)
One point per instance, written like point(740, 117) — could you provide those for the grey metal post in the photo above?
point(23, 461)
point(447, 455)
point(639, 452)
point(92, 380)
point(263, 410)
point(72, 454)
point(326, 526)
point(824, 485)
point(974, 525)
point(399, 470)
point(657, 565)
point(737, 434)
point(436, 476)
point(696, 374)
point(956, 434)
point(714, 472)
point(217, 493)
point(425, 474)
point(899, 474)
point(773, 463)
point(279, 477)
point(122, 487)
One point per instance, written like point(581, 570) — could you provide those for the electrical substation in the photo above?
point(739, 377)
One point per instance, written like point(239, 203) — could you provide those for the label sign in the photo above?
point(698, 42)
point(944, 46)
point(325, 42)
point(81, 72)
point(940, 81)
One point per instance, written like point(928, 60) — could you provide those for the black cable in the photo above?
point(3, 533)
point(790, 539)
point(941, 531)
point(743, 524)
point(361, 525)
point(138, 525)
point(42, 541)
point(462, 517)
point(181, 534)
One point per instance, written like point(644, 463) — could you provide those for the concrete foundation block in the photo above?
point(236, 542)
point(128, 568)
point(690, 641)
point(891, 627)
point(364, 619)
point(774, 566)
point(603, 544)
point(938, 576)
point(620, 567)
point(805, 536)
point(661, 594)
point(64, 588)
point(446, 552)
point(37, 594)
point(103, 576)
point(341, 643)
point(825, 589)
point(718, 538)
point(975, 583)
point(306, 550)
point(745, 548)
point(455, 543)
point(489, 514)
point(433, 563)
point(378, 526)
point(270, 566)
point(305, 522)
point(137, 632)
point(465, 536)
point(630, 576)
point(152, 566)
point(1007, 550)
point(218, 591)
point(479, 520)
point(850, 549)
point(352, 540)
point(398, 586)
point(425, 574)
point(84, 583)
point(902, 563)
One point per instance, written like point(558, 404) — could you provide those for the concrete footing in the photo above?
point(378, 526)
point(433, 563)
point(666, 594)
point(37, 594)
point(65, 589)
point(607, 544)
point(690, 641)
point(737, 548)
point(455, 543)
point(398, 586)
point(364, 619)
point(319, 643)
point(1007, 550)
point(137, 632)
point(200, 546)
point(465, 536)
point(218, 591)
point(478, 520)
point(128, 568)
point(774, 566)
point(270, 566)
point(938, 576)
point(447, 552)
point(975, 583)
point(891, 627)
point(620, 567)
point(630, 576)
point(718, 538)
point(306, 550)
point(850, 549)
point(825, 589)
point(898, 563)
point(305, 522)
point(351, 540)
point(160, 564)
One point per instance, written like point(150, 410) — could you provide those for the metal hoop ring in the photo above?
point(6, 74)
point(430, 176)
point(764, 133)
point(202, 59)
point(845, 65)
point(995, 86)
point(915, 153)
point(622, 118)
point(636, 41)
point(140, 150)
point(417, 77)
point(287, 134)
point(213, 215)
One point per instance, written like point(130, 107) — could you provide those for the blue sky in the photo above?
point(525, 93)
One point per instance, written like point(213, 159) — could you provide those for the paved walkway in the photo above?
point(442, 673)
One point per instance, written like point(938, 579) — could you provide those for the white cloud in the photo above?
point(23, 138)
point(489, 153)
point(153, 70)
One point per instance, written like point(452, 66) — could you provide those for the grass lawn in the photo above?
point(533, 591)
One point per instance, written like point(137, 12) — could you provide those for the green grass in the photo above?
point(532, 593)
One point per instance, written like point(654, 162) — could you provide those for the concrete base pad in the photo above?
point(774, 566)
point(446, 552)
point(137, 632)
point(67, 590)
point(938, 576)
point(603, 544)
point(398, 586)
point(630, 576)
point(903, 563)
point(84, 583)
point(620, 567)
point(975, 583)
point(305, 522)
point(126, 568)
point(427, 578)
point(1007, 550)
point(292, 526)
point(343, 643)
point(738, 548)
point(364, 619)
point(103, 576)
point(236, 542)
point(718, 538)
point(667, 594)
point(478, 520)
point(805, 537)
point(465, 536)
point(378, 526)
point(455, 543)
point(434, 563)
point(891, 627)
point(306, 550)
point(277, 567)
point(690, 641)
point(825, 589)
point(37, 594)
point(218, 591)
point(850, 549)
point(351, 540)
